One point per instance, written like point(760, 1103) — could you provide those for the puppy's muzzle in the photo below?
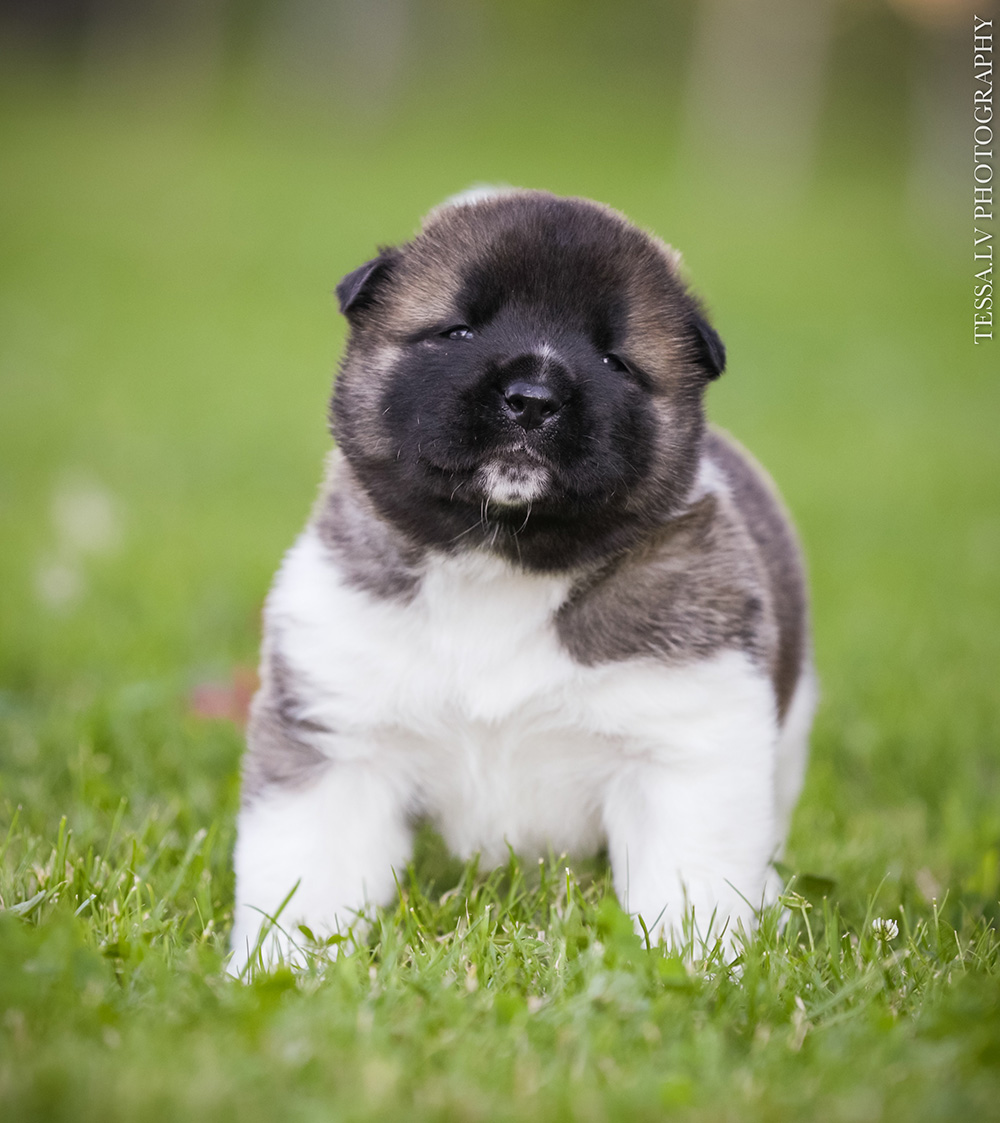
point(530, 404)
point(530, 389)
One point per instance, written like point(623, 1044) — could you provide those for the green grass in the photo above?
point(167, 337)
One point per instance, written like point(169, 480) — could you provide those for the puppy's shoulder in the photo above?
point(697, 587)
point(755, 504)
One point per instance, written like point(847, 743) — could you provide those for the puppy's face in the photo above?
point(525, 376)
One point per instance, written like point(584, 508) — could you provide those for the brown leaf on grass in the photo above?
point(225, 701)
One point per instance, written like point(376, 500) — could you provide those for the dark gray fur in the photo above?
point(369, 551)
point(280, 752)
point(724, 574)
point(764, 517)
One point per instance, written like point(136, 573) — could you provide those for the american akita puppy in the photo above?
point(538, 602)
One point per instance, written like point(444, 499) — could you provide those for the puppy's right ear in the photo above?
point(357, 290)
point(709, 350)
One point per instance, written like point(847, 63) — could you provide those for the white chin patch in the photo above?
point(513, 485)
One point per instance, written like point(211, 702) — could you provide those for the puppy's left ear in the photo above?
point(357, 290)
point(709, 350)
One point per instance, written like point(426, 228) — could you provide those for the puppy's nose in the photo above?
point(530, 404)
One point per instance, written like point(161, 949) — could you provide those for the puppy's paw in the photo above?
point(297, 947)
point(699, 930)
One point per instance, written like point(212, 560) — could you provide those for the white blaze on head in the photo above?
point(477, 193)
point(546, 352)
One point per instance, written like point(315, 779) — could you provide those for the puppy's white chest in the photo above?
point(512, 763)
point(488, 648)
point(464, 689)
point(475, 642)
point(465, 696)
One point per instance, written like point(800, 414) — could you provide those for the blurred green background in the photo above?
point(181, 187)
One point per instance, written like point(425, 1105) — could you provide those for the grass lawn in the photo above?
point(167, 339)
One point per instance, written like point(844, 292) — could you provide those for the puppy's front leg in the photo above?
point(335, 838)
point(694, 829)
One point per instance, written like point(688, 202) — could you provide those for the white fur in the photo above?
point(512, 484)
point(462, 705)
point(477, 193)
point(793, 746)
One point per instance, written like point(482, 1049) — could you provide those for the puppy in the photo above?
point(538, 603)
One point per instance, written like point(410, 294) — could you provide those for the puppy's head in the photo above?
point(525, 376)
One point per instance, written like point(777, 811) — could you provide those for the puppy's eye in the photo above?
point(459, 331)
point(616, 364)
